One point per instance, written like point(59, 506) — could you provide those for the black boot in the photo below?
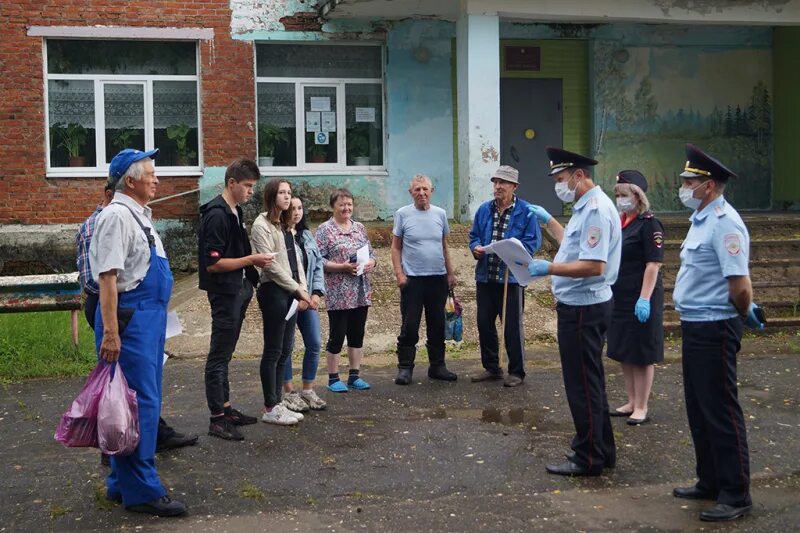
point(441, 372)
point(404, 376)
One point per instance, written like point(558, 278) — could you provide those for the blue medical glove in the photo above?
point(642, 310)
point(752, 320)
point(538, 267)
point(540, 213)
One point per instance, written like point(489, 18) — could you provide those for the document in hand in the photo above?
point(362, 258)
point(515, 256)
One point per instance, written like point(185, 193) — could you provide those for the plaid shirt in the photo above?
point(499, 225)
point(82, 241)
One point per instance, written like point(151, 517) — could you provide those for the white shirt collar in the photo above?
point(133, 204)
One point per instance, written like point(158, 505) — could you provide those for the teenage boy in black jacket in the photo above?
point(227, 274)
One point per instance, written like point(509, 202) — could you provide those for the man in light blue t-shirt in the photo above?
point(424, 275)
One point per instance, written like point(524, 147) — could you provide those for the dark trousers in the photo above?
point(581, 335)
point(227, 315)
point(278, 339)
point(712, 407)
point(489, 297)
point(428, 293)
point(89, 308)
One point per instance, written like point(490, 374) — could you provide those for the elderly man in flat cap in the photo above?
point(714, 298)
point(503, 217)
point(130, 266)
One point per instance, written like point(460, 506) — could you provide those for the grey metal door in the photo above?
point(530, 119)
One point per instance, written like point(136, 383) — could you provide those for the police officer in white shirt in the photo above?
point(713, 295)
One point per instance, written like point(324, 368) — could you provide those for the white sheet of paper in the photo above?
point(328, 121)
point(365, 114)
point(312, 121)
point(515, 256)
point(320, 103)
point(362, 258)
point(292, 310)
point(174, 327)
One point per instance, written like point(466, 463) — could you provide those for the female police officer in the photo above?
point(636, 333)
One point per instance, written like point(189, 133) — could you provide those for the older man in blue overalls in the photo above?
point(128, 262)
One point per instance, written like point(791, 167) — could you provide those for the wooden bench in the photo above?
point(48, 292)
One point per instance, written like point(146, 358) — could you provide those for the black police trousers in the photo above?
point(581, 335)
point(712, 407)
point(227, 315)
point(428, 293)
point(489, 300)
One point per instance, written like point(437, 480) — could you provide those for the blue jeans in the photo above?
point(308, 323)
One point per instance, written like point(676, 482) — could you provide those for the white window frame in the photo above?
point(341, 167)
point(101, 167)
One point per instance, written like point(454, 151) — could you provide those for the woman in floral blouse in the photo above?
point(348, 293)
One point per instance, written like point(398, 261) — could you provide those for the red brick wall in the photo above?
point(27, 196)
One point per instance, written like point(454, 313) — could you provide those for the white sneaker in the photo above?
point(293, 402)
point(279, 416)
point(290, 412)
point(314, 402)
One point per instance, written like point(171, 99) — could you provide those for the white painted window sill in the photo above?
point(281, 171)
point(94, 173)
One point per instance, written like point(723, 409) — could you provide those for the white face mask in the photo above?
point(564, 193)
point(624, 204)
point(686, 194)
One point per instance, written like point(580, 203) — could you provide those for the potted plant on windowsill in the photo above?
point(123, 138)
point(73, 138)
point(318, 153)
point(269, 137)
point(180, 134)
point(358, 146)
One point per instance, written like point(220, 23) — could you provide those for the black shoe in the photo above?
point(487, 376)
point(225, 429)
point(404, 376)
point(176, 440)
point(105, 460)
point(723, 512)
point(238, 418)
point(440, 372)
point(568, 468)
point(638, 421)
point(615, 412)
point(608, 464)
point(693, 493)
point(164, 506)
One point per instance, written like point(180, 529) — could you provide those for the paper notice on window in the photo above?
point(515, 256)
point(320, 103)
point(362, 258)
point(292, 310)
point(174, 327)
point(365, 114)
point(312, 121)
point(328, 121)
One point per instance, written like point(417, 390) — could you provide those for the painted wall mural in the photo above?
point(649, 101)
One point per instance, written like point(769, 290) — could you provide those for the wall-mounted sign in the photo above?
point(321, 137)
point(523, 58)
point(328, 121)
point(365, 114)
point(312, 121)
point(320, 103)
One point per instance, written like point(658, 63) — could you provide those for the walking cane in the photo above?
point(502, 342)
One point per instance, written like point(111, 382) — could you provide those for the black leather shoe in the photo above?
point(404, 376)
point(568, 468)
point(239, 418)
point(441, 373)
point(225, 429)
point(615, 412)
point(638, 421)
point(608, 464)
point(164, 506)
point(177, 440)
point(723, 512)
point(487, 376)
point(693, 493)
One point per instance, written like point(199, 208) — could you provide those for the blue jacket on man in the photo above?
point(522, 224)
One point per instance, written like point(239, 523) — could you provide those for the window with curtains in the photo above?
point(106, 95)
point(320, 106)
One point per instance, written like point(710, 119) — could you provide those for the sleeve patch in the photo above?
point(593, 236)
point(214, 254)
point(658, 239)
point(733, 243)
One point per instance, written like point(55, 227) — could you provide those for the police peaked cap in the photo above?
point(561, 159)
point(701, 165)
point(634, 177)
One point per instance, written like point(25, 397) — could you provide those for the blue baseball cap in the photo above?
point(123, 161)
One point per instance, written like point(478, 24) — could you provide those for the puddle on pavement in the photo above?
point(506, 417)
